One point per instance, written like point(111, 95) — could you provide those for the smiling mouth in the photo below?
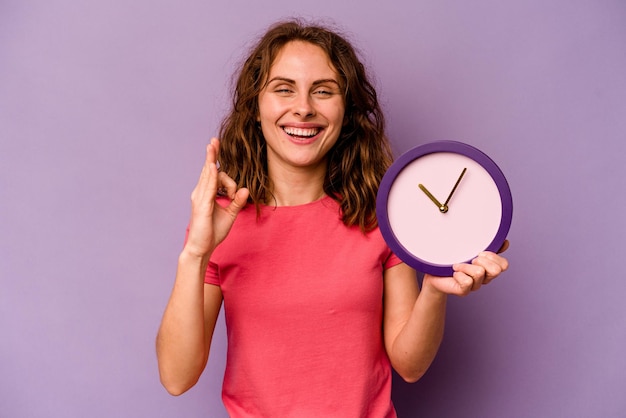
point(301, 132)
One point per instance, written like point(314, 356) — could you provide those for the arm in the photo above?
point(187, 327)
point(184, 337)
point(414, 320)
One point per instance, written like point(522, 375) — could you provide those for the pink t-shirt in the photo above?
point(303, 304)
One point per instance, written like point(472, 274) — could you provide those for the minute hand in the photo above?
point(454, 188)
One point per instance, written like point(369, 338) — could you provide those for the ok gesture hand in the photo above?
point(211, 222)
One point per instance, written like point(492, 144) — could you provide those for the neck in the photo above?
point(296, 188)
point(292, 198)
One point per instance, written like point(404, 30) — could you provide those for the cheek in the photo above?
point(263, 107)
point(270, 110)
point(340, 116)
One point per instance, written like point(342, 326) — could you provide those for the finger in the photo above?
point(465, 282)
point(215, 143)
point(490, 269)
point(210, 161)
point(226, 185)
point(492, 264)
point(475, 272)
point(239, 201)
point(206, 187)
point(210, 158)
point(504, 247)
point(205, 173)
point(458, 284)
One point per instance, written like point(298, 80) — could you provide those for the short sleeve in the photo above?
point(212, 274)
point(392, 260)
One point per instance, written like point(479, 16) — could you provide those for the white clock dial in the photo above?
point(471, 221)
point(442, 203)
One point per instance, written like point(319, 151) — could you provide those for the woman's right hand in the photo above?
point(210, 222)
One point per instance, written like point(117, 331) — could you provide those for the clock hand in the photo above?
point(454, 189)
point(442, 208)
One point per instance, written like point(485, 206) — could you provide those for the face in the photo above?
point(301, 108)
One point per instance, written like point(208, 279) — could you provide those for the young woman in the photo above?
point(283, 232)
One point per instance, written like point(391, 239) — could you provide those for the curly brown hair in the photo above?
point(362, 153)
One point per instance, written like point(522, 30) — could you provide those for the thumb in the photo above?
point(504, 247)
point(240, 200)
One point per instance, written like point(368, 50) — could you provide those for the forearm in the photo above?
point(417, 343)
point(182, 346)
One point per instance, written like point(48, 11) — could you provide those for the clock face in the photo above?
point(443, 203)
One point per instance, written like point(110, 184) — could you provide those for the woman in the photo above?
point(284, 233)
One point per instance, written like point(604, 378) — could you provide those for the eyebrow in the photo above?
point(315, 83)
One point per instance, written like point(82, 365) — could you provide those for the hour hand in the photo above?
point(441, 207)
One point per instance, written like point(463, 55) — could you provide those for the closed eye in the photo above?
point(326, 92)
point(283, 91)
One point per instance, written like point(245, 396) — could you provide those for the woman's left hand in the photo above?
point(469, 277)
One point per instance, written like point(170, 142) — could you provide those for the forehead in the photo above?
point(302, 58)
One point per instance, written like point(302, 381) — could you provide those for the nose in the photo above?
point(303, 106)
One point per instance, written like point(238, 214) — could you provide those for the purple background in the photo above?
point(105, 107)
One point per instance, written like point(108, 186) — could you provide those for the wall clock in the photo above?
point(442, 203)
